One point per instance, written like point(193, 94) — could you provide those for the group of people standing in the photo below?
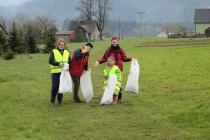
point(78, 63)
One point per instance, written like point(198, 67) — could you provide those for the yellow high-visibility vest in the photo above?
point(114, 70)
point(59, 58)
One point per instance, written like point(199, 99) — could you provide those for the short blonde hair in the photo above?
point(61, 40)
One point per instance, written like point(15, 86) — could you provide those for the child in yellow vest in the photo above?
point(113, 69)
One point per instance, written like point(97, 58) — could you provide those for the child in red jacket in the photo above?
point(79, 63)
point(118, 53)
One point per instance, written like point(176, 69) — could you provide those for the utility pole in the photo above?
point(141, 24)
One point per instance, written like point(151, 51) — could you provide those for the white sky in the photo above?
point(12, 2)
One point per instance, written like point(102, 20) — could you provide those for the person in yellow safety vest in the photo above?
point(113, 69)
point(58, 57)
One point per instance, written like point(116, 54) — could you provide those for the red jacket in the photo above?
point(119, 55)
point(79, 63)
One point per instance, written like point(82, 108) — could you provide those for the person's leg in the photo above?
point(120, 95)
point(60, 98)
point(76, 81)
point(55, 86)
point(115, 97)
point(121, 91)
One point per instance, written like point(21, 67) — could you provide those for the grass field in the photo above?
point(173, 104)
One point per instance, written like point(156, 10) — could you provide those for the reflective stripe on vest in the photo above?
point(59, 58)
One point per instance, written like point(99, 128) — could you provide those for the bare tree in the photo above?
point(20, 21)
point(2, 22)
point(103, 6)
point(86, 9)
point(46, 22)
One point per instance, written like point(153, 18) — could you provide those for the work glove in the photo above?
point(61, 64)
point(96, 64)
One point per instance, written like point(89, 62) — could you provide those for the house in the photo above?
point(68, 36)
point(202, 22)
point(84, 30)
point(2, 29)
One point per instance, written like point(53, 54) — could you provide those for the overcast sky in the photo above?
point(12, 2)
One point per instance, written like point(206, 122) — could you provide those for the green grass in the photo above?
point(173, 103)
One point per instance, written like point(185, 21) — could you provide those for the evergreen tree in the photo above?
point(49, 40)
point(30, 40)
point(14, 41)
point(3, 43)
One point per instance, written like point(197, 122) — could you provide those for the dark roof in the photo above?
point(88, 26)
point(3, 29)
point(202, 16)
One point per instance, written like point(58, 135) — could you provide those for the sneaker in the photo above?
point(53, 104)
point(60, 103)
point(119, 101)
point(77, 100)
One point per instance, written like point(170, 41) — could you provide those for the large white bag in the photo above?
point(86, 85)
point(65, 85)
point(132, 84)
point(109, 90)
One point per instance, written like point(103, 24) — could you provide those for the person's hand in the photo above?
point(61, 64)
point(96, 64)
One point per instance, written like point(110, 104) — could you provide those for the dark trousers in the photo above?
point(76, 81)
point(120, 94)
point(55, 87)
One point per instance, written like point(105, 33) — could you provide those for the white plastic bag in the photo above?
point(109, 90)
point(86, 85)
point(65, 85)
point(132, 84)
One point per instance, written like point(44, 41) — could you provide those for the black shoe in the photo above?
point(59, 102)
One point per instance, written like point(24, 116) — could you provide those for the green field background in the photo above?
point(173, 102)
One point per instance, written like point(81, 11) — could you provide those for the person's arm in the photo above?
point(106, 75)
point(86, 64)
point(52, 60)
point(69, 61)
point(78, 54)
point(124, 57)
point(105, 57)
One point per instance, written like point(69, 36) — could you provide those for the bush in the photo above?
point(8, 55)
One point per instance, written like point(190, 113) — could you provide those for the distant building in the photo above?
point(202, 22)
point(162, 35)
point(68, 36)
point(3, 29)
point(84, 30)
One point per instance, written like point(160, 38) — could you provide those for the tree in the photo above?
point(46, 22)
point(14, 41)
point(49, 40)
point(103, 6)
point(30, 40)
point(86, 9)
point(3, 43)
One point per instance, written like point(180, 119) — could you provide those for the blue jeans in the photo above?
point(55, 87)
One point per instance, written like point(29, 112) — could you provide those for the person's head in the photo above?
point(87, 47)
point(115, 41)
point(61, 43)
point(111, 61)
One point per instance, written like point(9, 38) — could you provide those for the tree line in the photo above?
point(24, 35)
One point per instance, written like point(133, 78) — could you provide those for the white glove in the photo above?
point(96, 64)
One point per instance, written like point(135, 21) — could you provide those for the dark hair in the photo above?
point(114, 38)
point(89, 44)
